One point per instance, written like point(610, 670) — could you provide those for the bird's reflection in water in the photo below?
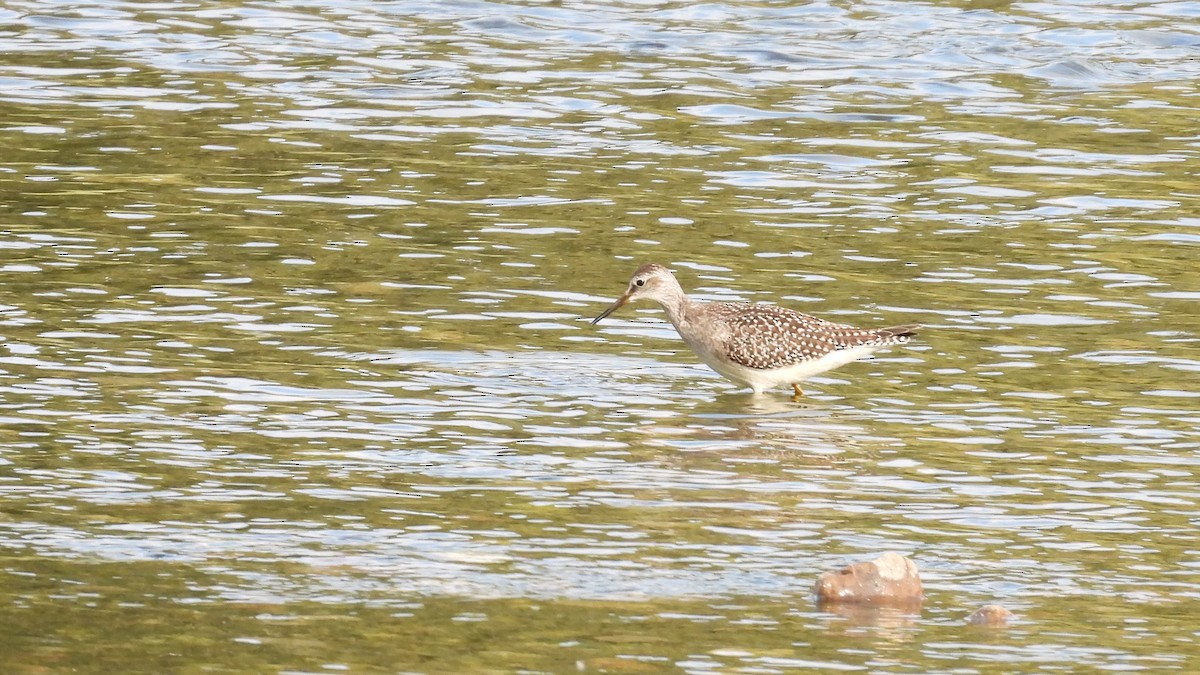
point(765, 428)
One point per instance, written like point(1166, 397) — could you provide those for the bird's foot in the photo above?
point(799, 392)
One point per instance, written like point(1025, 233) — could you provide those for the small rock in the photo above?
point(991, 615)
point(890, 579)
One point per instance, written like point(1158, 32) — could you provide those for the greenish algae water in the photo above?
point(297, 376)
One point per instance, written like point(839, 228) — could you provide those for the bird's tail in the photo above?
point(898, 333)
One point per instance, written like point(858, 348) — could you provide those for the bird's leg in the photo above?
point(799, 392)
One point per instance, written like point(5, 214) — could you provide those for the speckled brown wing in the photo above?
point(766, 337)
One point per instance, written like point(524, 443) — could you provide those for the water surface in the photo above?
point(297, 375)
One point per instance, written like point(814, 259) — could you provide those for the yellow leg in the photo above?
point(799, 392)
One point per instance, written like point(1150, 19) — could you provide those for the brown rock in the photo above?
point(991, 615)
point(890, 579)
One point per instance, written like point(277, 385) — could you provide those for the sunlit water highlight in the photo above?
point(297, 372)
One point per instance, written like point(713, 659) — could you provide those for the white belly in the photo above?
point(761, 380)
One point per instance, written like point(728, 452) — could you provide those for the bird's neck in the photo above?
point(677, 307)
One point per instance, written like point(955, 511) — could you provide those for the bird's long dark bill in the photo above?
point(615, 306)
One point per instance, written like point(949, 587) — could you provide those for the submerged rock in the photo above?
point(890, 579)
point(991, 615)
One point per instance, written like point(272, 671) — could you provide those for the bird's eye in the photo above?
point(640, 282)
